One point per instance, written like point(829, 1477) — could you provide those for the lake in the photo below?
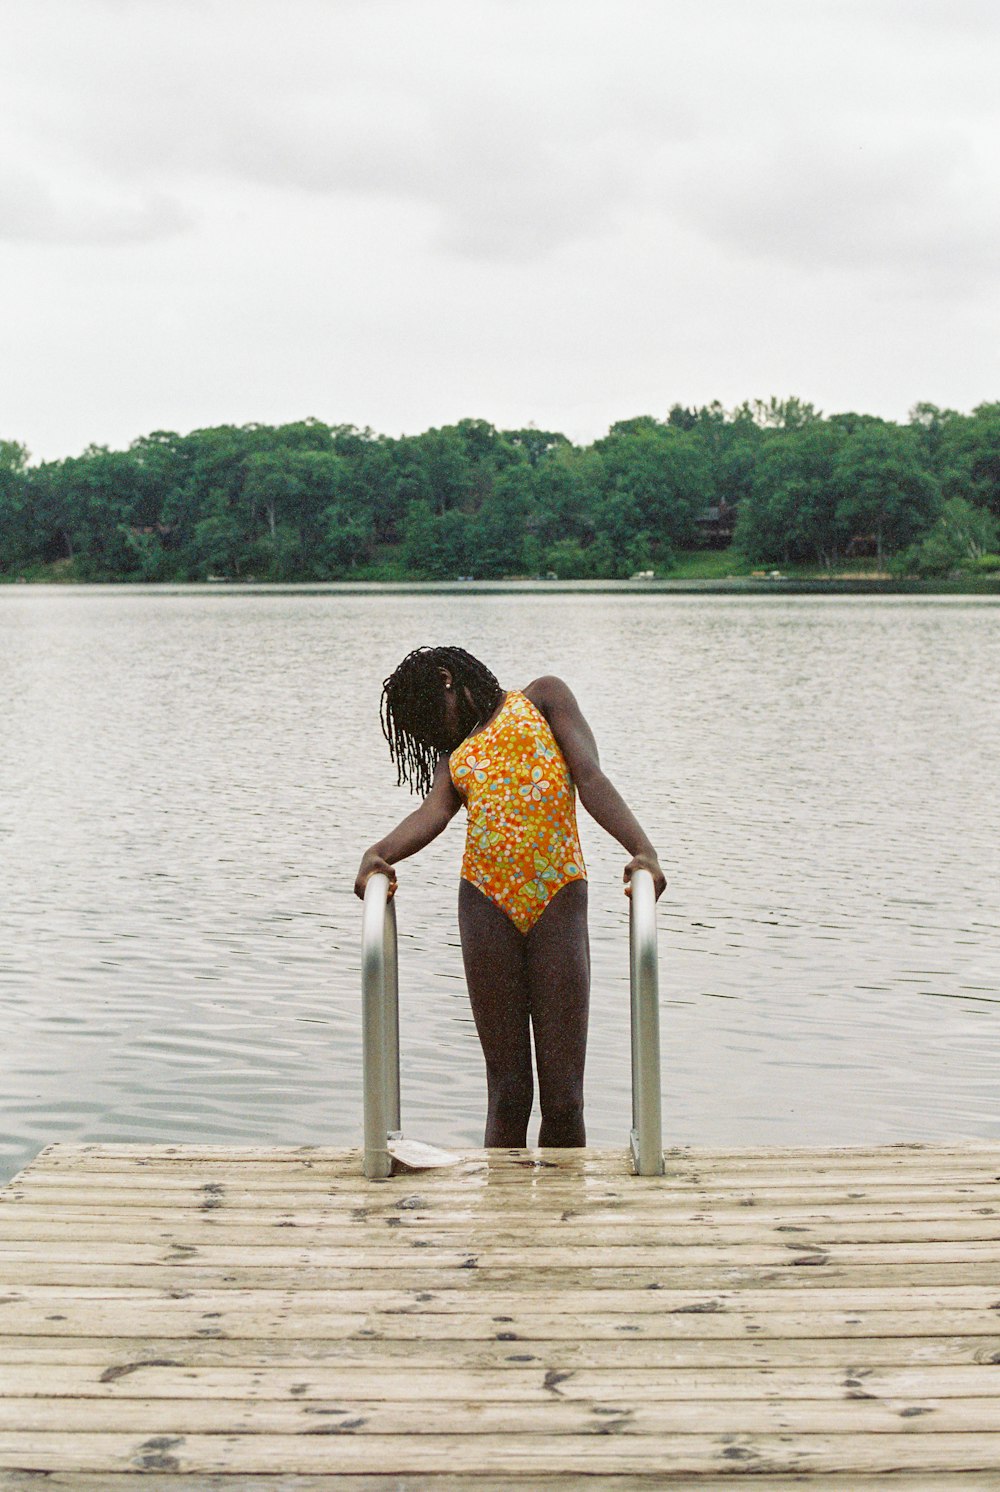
point(188, 778)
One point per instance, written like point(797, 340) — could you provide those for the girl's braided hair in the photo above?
point(413, 712)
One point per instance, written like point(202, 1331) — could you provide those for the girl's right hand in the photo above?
point(646, 862)
point(372, 864)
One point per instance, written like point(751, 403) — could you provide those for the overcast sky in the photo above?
point(397, 213)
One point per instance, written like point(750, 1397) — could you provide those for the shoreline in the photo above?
point(986, 586)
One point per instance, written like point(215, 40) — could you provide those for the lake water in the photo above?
point(188, 779)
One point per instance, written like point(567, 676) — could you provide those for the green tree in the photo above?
point(436, 545)
point(449, 468)
point(886, 491)
point(665, 472)
point(321, 484)
point(15, 536)
point(681, 418)
point(568, 486)
point(963, 533)
point(371, 486)
point(931, 426)
point(784, 414)
point(535, 444)
point(308, 500)
point(98, 502)
point(147, 557)
point(412, 480)
point(567, 559)
point(622, 545)
point(206, 468)
point(347, 540)
point(497, 534)
point(219, 543)
point(969, 457)
point(485, 445)
point(270, 488)
point(793, 510)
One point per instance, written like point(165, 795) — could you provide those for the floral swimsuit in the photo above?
point(522, 844)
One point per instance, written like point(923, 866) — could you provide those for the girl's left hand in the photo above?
point(373, 864)
point(650, 863)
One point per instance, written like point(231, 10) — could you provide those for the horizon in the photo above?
point(729, 412)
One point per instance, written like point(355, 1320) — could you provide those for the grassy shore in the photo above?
point(703, 567)
point(725, 564)
point(729, 564)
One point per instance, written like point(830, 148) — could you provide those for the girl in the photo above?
point(515, 759)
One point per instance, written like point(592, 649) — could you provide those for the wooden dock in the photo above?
point(208, 1318)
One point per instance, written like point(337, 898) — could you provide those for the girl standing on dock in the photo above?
point(515, 759)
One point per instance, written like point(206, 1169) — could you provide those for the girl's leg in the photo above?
point(493, 952)
point(558, 953)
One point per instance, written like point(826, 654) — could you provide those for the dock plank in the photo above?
point(902, 1481)
point(394, 1384)
point(213, 1351)
point(543, 1319)
point(551, 1417)
point(673, 1455)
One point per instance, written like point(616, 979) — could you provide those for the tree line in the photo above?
point(311, 501)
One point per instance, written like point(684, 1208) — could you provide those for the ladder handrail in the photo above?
point(380, 1024)
point(647, 1123)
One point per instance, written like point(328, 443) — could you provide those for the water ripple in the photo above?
point(187, 781)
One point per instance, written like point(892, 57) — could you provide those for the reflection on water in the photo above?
point(187, 781)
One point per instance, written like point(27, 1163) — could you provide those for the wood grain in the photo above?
point(533, 1319)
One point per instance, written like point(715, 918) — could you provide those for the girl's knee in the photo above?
point(509, 1110)
point(562, 1121)
point(563, 1109)
point(511, 1095)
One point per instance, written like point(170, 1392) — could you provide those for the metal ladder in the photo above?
point(380, 1020)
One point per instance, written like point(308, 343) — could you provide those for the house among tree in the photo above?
point(715, 525)
point(159, 530)
point(862, 546)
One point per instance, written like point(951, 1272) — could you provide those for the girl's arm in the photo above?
point(598, 794)
point(412, 833)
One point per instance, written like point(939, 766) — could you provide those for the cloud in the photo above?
point(946, 17)
point(35, 211)
point(466, 118)
point(498, 184)
point(398, 211)
point(913, 206)
point(498, 180)
point(835, 135)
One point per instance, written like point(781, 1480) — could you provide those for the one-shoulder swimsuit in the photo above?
point(522, 843)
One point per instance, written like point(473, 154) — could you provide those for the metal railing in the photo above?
point(380, 1024)
point(647, 1122)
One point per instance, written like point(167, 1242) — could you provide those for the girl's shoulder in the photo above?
point(547, 692)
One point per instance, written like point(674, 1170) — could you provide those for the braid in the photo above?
point(412, 709)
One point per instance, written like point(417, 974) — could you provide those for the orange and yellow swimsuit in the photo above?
point(522, 844)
